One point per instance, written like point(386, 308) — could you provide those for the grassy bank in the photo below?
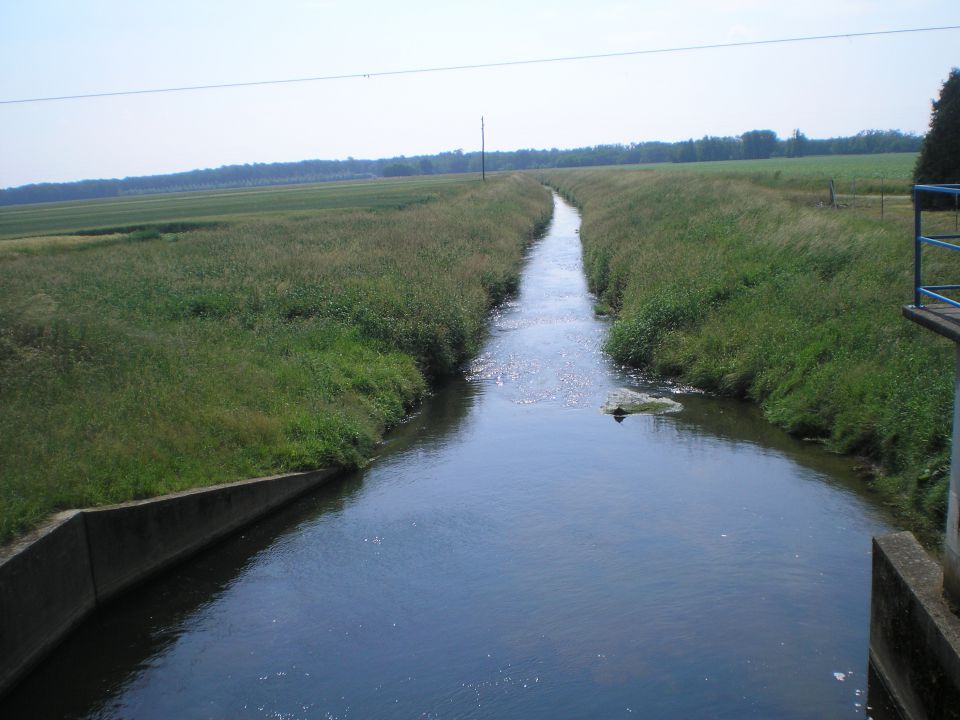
point(744, 290)
point(155, 361)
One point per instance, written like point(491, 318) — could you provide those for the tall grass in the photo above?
point(178, 360)
point(741, 290)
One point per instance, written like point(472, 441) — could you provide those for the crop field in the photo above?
point(65, 218)
point(743, 290)
point(809, 173)
point(288, 336)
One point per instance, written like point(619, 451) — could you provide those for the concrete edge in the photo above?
point(133, 541)
point(931, 319)
point(56, 576)
point(46, 590)
point(880, 673)
point(914, 634)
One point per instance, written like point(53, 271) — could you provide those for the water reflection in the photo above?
point(711, 419)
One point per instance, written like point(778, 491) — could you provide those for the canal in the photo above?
point(515, 553)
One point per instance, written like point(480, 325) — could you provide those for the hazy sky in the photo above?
point(62, 47)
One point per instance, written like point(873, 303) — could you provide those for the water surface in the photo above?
point(514, 553)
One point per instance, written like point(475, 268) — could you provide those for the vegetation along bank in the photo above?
point(147, 360)
point(751, 287)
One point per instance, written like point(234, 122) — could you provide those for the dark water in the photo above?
point(514, 553)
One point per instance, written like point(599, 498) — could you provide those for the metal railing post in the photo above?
point(917, 233)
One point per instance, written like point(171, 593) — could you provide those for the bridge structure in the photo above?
point(937, 308)
point(915, 601)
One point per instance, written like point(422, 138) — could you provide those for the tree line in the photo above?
point(754, 144)
point(939, 160)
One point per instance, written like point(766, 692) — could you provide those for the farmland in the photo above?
point(286, 334)
point(811, 173)
point(218, 205)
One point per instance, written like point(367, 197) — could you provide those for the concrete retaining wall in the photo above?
point(914, 635)
point(55, 577)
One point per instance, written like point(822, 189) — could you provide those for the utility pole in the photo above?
point(483, 152)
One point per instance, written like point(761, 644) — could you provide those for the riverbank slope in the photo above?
point(162, 361)
point(751, 291)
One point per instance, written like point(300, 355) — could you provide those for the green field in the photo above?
point(287, 337)
point(64, 218)
point(811, 173)
point(751, 291)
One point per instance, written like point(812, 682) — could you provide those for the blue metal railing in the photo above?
point(920, 290)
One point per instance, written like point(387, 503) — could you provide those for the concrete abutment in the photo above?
point(55, 577)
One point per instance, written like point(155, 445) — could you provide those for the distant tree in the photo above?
point(758, 144)
point(711, 148)
point(458, 163)
point(939, 160)
point(398, 169)
point(685, 151)
point(797, 144)
point(523, 159)
point(655, 152)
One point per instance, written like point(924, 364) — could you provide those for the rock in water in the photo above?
point(629, 402)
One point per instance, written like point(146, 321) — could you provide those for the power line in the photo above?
point(478, 66)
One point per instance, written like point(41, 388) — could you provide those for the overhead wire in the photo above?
point(478, 66)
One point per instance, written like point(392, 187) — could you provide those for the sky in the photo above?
point(65, 47)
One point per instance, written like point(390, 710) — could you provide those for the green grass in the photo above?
point(219, 205)
point(811, 174)
point(287, 339)
point(745, 290)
